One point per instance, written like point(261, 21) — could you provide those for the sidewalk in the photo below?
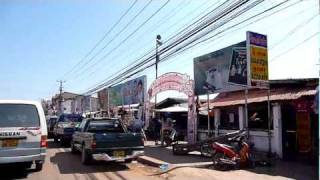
point(165, 155)
point(156, 156)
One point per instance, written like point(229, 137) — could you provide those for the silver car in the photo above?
point(23, 133)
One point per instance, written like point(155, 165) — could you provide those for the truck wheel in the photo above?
point(55, 138)
point(62, 142)
point(39, 166)
point(86, 158)
point(73, 149)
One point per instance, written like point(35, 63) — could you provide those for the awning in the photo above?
point(173, 109)
point(259, 95)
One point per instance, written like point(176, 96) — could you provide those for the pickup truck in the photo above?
point(106, 139)
point(65, 127)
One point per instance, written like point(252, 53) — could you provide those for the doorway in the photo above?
point(289, 132)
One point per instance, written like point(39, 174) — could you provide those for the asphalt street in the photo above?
point(60, 164)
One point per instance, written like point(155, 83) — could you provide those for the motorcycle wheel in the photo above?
point(216, 159)
point(168, 142)
point(206, 150)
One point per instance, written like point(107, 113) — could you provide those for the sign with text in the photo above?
point(257, 55)
point(238, 67)
point(213, 73)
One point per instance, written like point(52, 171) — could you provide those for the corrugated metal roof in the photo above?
point(259, 95)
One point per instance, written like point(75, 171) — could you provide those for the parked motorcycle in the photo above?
point(170, 136)
point(235, 154)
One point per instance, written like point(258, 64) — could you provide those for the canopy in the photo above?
point(173, 109)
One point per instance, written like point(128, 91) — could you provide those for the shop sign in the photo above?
point(257, 55)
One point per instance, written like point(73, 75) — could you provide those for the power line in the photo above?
point(214, 35)
point(114, 37)
point(195, 20)
point(129, 36)
point(296, 28)
point(164, 19)
point(103, 37)
point(180, 31)
point(187, 35)
point(297, 45)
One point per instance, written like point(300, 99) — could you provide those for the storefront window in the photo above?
point(229, 118)
point(258, 116)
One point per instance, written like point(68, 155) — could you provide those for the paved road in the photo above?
point(62, 165)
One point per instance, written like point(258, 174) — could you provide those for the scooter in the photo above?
point(169, 136)
point(237, 155)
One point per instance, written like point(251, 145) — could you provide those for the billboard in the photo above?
point(211, 71)
point(130, 92)
point(133, 91)
point(238, 66)
point(103, 99)
point(115, 95)
point(257, 53)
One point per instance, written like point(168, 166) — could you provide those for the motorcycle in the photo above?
point(236, 155)
point(170, 136)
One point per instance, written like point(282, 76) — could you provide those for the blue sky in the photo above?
point(42, 40)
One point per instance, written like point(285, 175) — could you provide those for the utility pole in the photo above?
point(158, 43)
point(60, 109)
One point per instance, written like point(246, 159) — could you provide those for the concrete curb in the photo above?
point(150, 161)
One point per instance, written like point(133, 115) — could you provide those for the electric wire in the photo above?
point(102, 39)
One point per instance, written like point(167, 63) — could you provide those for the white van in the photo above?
point(23, 133)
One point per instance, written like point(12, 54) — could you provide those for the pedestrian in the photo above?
point(157, 129)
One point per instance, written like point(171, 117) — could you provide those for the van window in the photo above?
point(19, 115)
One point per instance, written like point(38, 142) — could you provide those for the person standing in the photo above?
point(157, 129)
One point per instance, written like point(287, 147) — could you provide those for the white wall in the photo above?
point(260, 138)
point(66, 105)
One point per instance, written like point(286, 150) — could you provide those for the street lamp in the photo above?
point(158, 43)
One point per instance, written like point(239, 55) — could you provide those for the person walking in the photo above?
point(157, 129)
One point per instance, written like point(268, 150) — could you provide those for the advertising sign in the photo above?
point(115, 95)
point(130, 92)
point(133, 91)
point(211, 71)
point(103, 99)
point(86, 104)
point(238, 67)
point(257, 53)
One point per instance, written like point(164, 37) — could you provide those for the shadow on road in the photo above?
point(13, 172)
point(69, 163)
point(166, 155)
point(53, 145)
point(292, 170)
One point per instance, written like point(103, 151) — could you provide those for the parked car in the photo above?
point(51, 121)
point(65, 127)
point(23, 133)
point(106, 139)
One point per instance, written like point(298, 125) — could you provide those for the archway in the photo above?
point(181, 83)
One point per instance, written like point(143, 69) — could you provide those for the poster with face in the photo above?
point(211, 71)
point(130, 92)
point(134, 91)
point(238, 67)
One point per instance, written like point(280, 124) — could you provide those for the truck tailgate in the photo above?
point(118, 140)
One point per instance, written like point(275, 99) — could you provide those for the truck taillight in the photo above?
point(43, 142)
point(93, 145)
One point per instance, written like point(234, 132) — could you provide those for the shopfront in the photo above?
point(293, 125)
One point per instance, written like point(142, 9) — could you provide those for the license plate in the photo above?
point(10, 143)
point(118, 153)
